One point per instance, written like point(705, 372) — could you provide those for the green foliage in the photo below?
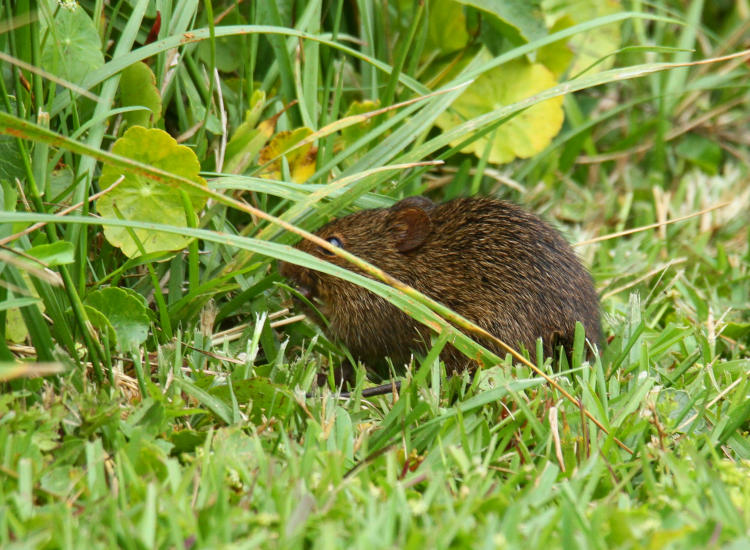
point(584, 49)
point(140, 198)
point(138, 88)
point(71, 47)
point(125, 312)
point(249, 137)
point(10, 167)
point(154, 382)
point(513, 17)
point(524, 135)
point(52, 255)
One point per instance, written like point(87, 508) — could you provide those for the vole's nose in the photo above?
point(303, 281)
point(286, 269)
point(304, 291)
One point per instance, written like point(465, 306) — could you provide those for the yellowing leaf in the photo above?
point(301, 160)
point(525, 134)
point(138, 87)
point(557, 57)
point(585, 48)
point(143, 199)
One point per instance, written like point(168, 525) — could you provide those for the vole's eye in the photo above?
point(335, 241)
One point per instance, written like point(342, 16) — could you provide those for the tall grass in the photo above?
point(203, 433)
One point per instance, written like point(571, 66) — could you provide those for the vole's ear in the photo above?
point(409, 227)
point(422, 203)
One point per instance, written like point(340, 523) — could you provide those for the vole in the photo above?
point(489, 260)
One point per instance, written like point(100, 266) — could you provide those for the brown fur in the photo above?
point(489, 260)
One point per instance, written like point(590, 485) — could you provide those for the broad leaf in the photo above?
point(143, 199)
point(125, 312)
point(227, 60)
point(523, 135)
point(701, 151)
point(301, 160)
point(587, 47)
point(522, 18)
point(446, 27)
point(100, 322)
point(71, 48)
point(60, 185)
point(138, 88)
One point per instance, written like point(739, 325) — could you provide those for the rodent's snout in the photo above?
point(306, 283)
point(286, 269)
point(304, 291)
point(303, 279)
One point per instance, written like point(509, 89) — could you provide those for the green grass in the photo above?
point(200, 433)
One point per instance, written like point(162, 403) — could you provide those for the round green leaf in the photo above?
point(71, 47)
point(100, 322)
point(124, 311)
point(446, 25)
point(226, 47)
point(142, 199)
point(138, 87)
point(525, 134)
point(513, 18)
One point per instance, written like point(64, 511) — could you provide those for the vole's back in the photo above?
point(508, 271)
point(489, 260)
